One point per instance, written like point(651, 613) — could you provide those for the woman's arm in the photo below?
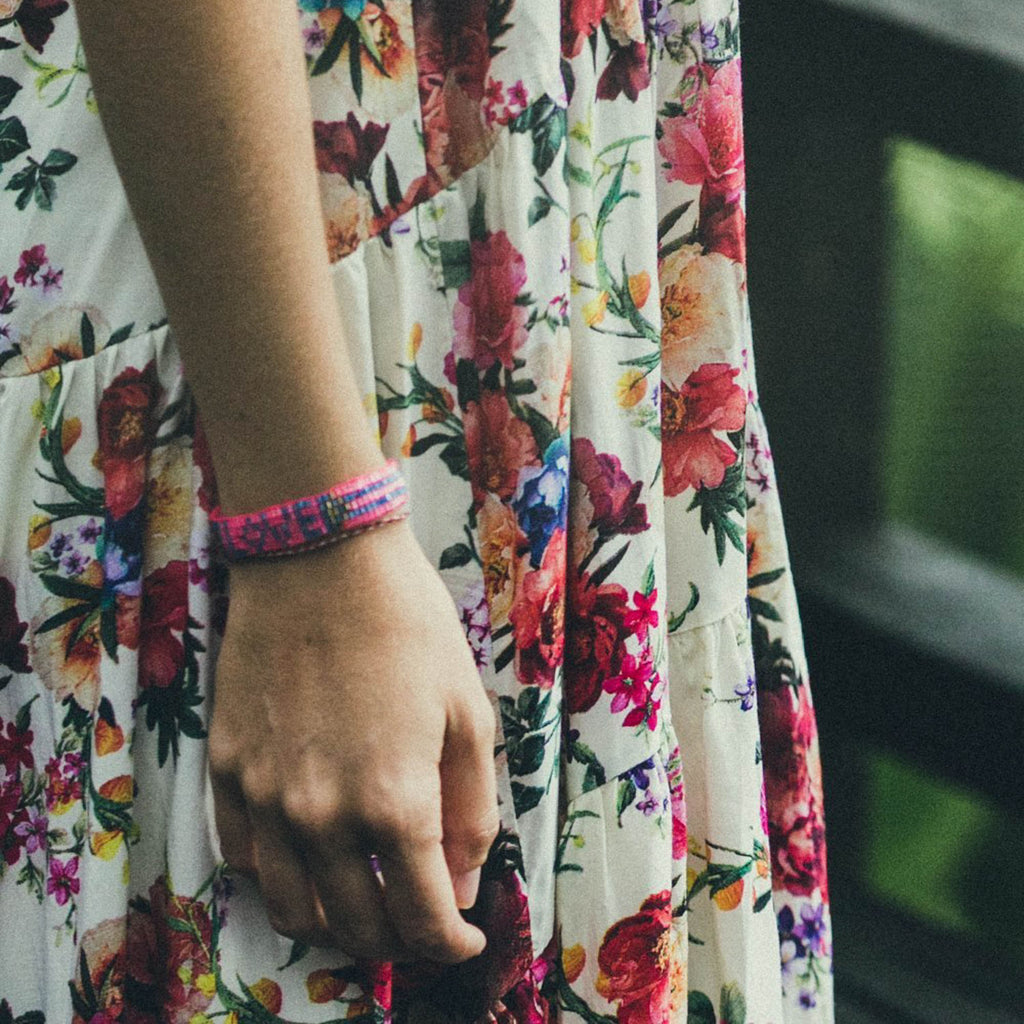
point(333, 735)
point(207, 111)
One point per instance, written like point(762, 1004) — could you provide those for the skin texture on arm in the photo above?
point(209, 119)
point(332, 735)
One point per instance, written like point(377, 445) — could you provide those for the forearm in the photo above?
point(207, 112)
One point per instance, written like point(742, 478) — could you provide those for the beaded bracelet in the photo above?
point(353, 506)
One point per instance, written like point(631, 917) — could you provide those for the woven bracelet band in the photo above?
point(353, 506)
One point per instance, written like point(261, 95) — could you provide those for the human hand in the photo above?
point(349, 720)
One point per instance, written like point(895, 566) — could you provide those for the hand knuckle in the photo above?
point(402, 820)
point(223, 758)
point(312, 810)
point(260, 788)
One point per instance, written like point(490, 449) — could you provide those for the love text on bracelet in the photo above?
point(364, 501)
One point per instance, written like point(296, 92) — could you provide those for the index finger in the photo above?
point(421, 905)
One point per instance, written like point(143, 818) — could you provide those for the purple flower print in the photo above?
point(648, 805)
point(811, 928)
point(74, 563)
point(807, 1000)
point(121, 571)
point(315, 38)
point(59, 544)
point(747, 694)
point(63, 882)
point(708, 38)
point(88, 533)
point(663, 23)
point(638, 775)
point(33, 833)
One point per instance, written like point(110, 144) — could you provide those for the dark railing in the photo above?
point(914, 648)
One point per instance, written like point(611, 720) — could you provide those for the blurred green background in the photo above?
point(953, 469)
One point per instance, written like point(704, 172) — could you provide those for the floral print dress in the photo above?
point(535, 216)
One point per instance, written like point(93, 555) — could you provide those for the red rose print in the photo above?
point(797, 843)
point(35, 19)
point(347, 147)
point(489, 324)
point(127, 426)
point(164, 617)
point(722, 225)
point(453, 58)
point(633, 969)
point(793, 789)
point(611, 492)
point(580, 19)
point(538, 617)
point(626, 72)
point(498, 445)
point(709, 400)
point(596, 636)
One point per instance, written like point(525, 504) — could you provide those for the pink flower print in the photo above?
point(705, 147)
point(33, 833)
point(7, 302)
point(63, 787)
point(52, 279)
point(644, 616)
point(63, 882)
point(517, 96)
point(30, 265)
point(476, 621)
point(630, 686)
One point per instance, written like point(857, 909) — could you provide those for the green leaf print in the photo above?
point(455, 263)
point(699, 1009)
point(546, 121)
point(676, 621)
point(13, 140)
point(733, 1005)
point(717, 504)
point(626, 796)
point(88, 335)
point(525, 798)
point(539, 209)
point(8, 90)
point(331, 52)
point(455, 555)
point(764, 578)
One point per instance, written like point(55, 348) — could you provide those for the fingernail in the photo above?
point(466, 887)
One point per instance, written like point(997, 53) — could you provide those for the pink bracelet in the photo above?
point(353, 506)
